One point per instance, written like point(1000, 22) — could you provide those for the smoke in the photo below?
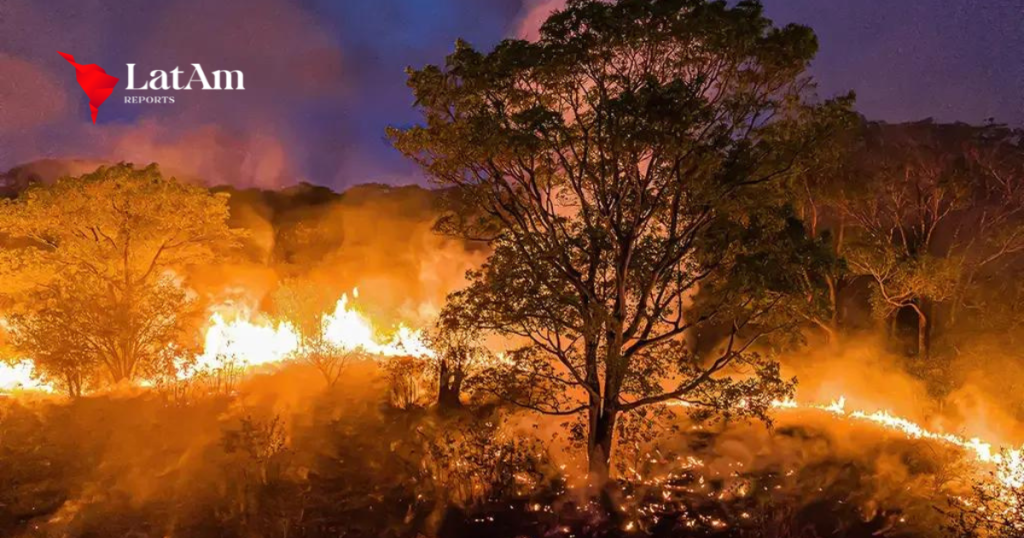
point(989, 389)
point(861, 370)
point(533, 15)
point(373, 238)
point(130, 456)
point(280, 450)
point(386, 246)
point(28, 95)
point(182, 462)
point(259, 137)
point(872, 378)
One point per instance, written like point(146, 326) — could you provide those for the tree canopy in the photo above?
point(629, 169)
point(95, 265)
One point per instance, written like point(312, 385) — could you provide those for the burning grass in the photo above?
point(236, 439)
point(278, 458)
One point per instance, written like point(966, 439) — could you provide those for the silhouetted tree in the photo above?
point(460, 354)
point(628, 170)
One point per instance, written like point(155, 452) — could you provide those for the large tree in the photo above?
point(95, 266)
point(628, 169)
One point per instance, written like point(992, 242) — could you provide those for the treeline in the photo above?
point(925, 223)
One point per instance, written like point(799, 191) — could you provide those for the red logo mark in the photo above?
point(95, 82)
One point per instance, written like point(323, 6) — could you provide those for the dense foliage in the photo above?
point(95, 265)
point(628, 170)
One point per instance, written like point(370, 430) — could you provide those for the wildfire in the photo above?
point(251, 340)
point(248, 339)
point(350, 330)
point(18, 376)
point(1009, 463)
point(251, 343)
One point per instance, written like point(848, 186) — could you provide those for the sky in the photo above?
point(324, 78)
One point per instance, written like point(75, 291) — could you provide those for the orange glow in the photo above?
point(250, 339)
point(19, 376)
point(253, 340)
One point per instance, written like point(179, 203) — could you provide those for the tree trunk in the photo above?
point(117, 373)
point(840, 237)
point(448, 396)
point(449, 386)
point(600, 440)
point(74, 382)
point(923, 335)
point(831, 327)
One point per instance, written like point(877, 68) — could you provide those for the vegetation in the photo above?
point(96, 265)
point(632, 156)
point(929, 215)
point(643, 219)
point(304, 305)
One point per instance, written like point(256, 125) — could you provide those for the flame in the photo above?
point(350, 330)
point(250, 340)
point(20, 376)
point(247, 342)
point(246, 339)
point(1009, 463)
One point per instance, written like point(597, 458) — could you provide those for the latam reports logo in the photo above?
point(95, 82)
point(98, 85)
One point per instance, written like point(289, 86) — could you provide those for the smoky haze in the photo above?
point(324, 79)
point(324, 199)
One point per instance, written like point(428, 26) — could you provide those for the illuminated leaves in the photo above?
point(96, 265)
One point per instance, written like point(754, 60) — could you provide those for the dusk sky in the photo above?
point(324, 78)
